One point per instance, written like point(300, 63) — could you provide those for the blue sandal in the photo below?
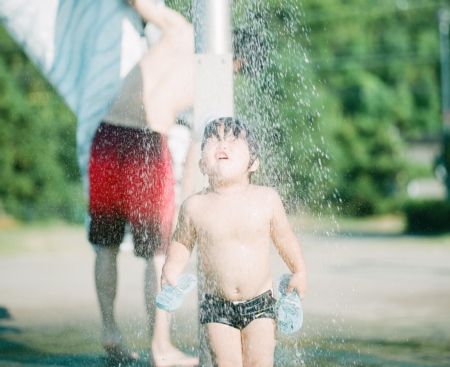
point(288, 308)
point(171, 297)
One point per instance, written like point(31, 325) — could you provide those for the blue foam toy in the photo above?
point(288, 308)
point(171, 297)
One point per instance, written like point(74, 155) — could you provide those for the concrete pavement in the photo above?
point(363, 291)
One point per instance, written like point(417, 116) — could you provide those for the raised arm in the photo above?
point(157, 13)
point(180, 249)
point(288, 246)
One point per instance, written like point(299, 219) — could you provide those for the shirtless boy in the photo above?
point(233, 223)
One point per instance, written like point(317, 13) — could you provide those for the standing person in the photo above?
point(131, 179)
point(233, 223)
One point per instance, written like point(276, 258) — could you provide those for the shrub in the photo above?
point(427, 216)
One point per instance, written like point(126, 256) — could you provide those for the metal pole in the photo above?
point(213, 90)
point(214, 61)
point(444, 22)
point(212, 27)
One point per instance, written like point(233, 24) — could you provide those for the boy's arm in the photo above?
point(288, 246)
point(179, 251)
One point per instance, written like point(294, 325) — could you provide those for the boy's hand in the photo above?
point(298, 282)
point(170, 277)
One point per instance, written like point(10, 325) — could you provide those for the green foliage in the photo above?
point(348, 83)
point(380, 64)
point(427, 217)
point(39, 175)
point(353, 82)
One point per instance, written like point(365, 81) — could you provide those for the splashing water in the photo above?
point(283, 103)
point(285, 110)
point(277, 95)
point(174, 326)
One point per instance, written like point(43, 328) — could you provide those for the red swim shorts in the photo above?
point(131, 181)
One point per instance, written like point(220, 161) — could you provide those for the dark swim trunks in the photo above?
point(236, 314)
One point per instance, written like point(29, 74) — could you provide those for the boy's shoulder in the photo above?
point(265, 194)
point(192, 201)
point(260, 192)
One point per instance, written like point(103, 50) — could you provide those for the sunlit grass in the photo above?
point(41, 238)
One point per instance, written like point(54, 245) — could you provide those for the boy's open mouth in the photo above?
point(222, 155)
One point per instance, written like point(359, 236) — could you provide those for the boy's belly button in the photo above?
point(237, 291)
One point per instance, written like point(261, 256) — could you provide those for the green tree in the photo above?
point(346, 85)
point(39, 177)
point(380, 62)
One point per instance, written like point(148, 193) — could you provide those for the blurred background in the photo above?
point(351, 96)
point(353, 107)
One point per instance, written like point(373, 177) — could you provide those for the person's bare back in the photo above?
point(168, 67)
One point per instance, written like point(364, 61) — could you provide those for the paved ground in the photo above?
point(372, 301)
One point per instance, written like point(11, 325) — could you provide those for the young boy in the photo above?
point(233, 222)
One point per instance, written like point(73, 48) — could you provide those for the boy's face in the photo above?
point(226, 157)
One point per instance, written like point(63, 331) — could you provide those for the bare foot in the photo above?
point(113, 344)
point(172, 357)
point(119, 353)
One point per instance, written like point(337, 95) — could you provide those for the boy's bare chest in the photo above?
point(234, 219)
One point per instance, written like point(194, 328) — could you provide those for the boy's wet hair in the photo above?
point(250, 47)
point(238, 129)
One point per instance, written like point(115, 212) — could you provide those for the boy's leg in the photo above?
point(163, 352)
point(258, 343)
point(224, 343)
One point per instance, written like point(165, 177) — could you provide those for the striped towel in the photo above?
point(84, 48)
